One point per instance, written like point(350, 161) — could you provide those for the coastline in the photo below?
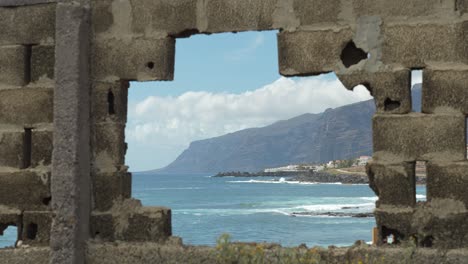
point(313, 177)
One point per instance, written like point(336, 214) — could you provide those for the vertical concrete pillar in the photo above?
point(71, 155)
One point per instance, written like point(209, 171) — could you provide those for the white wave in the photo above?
point(375, 198)
point(421, 196)
point(282, 181)
point(174, 188)
point(334, 207)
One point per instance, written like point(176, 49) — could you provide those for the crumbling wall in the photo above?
point(65, 68)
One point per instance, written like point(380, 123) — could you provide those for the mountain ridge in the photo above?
point(339, 133)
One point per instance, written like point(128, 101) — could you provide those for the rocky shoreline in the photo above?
point(315, 177)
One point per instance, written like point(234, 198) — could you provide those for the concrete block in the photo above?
point(41, 147)
point(134, 59)
point(111, 187)
point(14, 66)
point(395, 184)
point(313, 52)
point(418, 136)
point(109, 101)
point(398, 9)
point(174, 17)
point(394, 221)
point(144, 17)
point(42, 62)
point(414, 46)
point(25, 190)
point(149, 224)
point(36, 228)
point(108, 147)
point(447, 181)
point(27, 24)
point(391, 90)
point(310, 12)
point(26, 106)
point(445, 90)
point(136, 223)
point(239, 15)
point(11, 148)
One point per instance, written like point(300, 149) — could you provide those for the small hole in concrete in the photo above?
point(46, 200)
point(427, 241)
point(150, 65)
point(421, 173)
point(391, 105)
point(352, 55)
point(110, 103)
point(390, 236)
point(27, 148)
point(31, 231)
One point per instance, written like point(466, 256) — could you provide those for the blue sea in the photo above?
point(255, 209)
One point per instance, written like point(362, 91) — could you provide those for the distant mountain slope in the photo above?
point(340, 133)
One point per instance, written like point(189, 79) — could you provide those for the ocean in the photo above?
point(256, 209)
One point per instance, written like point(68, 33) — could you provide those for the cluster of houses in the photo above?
point(361, 161)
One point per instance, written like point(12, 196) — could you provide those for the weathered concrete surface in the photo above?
point(417, 136)
point(71, 195)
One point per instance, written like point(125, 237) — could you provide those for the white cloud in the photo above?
point(171, 123)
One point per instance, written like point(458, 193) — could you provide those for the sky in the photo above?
point(222, 83)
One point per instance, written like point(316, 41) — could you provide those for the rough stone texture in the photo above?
point(391, 90)
point(27, 24)
point(416, 46)
point(134, 59)
point(110, 187)
point(26, 106)
point(36, 228)
point(109, 102)
point(109, 146)
point(51, 101)
point(419, 137)
point(42, 62)
point(129, 221)
point(70, 186)
point(311, 53)
point(445, 90)
point(13, 65)
point(395, 184)
point(448, 181)
point(227, 15)
point(25, 190)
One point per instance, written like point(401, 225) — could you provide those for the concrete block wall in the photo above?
point(27, 35)
point(65, 68)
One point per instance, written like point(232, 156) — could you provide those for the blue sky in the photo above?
point(223, 83)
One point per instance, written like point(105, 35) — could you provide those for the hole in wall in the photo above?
point(240, 83)
point(28, 63)
point(46, 200)
point(150, 65)
point(416, 89)
point(390, 105)
point(352, 55)
point(27, 148)
point(428, 241)
point(421, 174)
point(8, 235)
point(390, 236)
point(31, 231)
point(110, 102)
